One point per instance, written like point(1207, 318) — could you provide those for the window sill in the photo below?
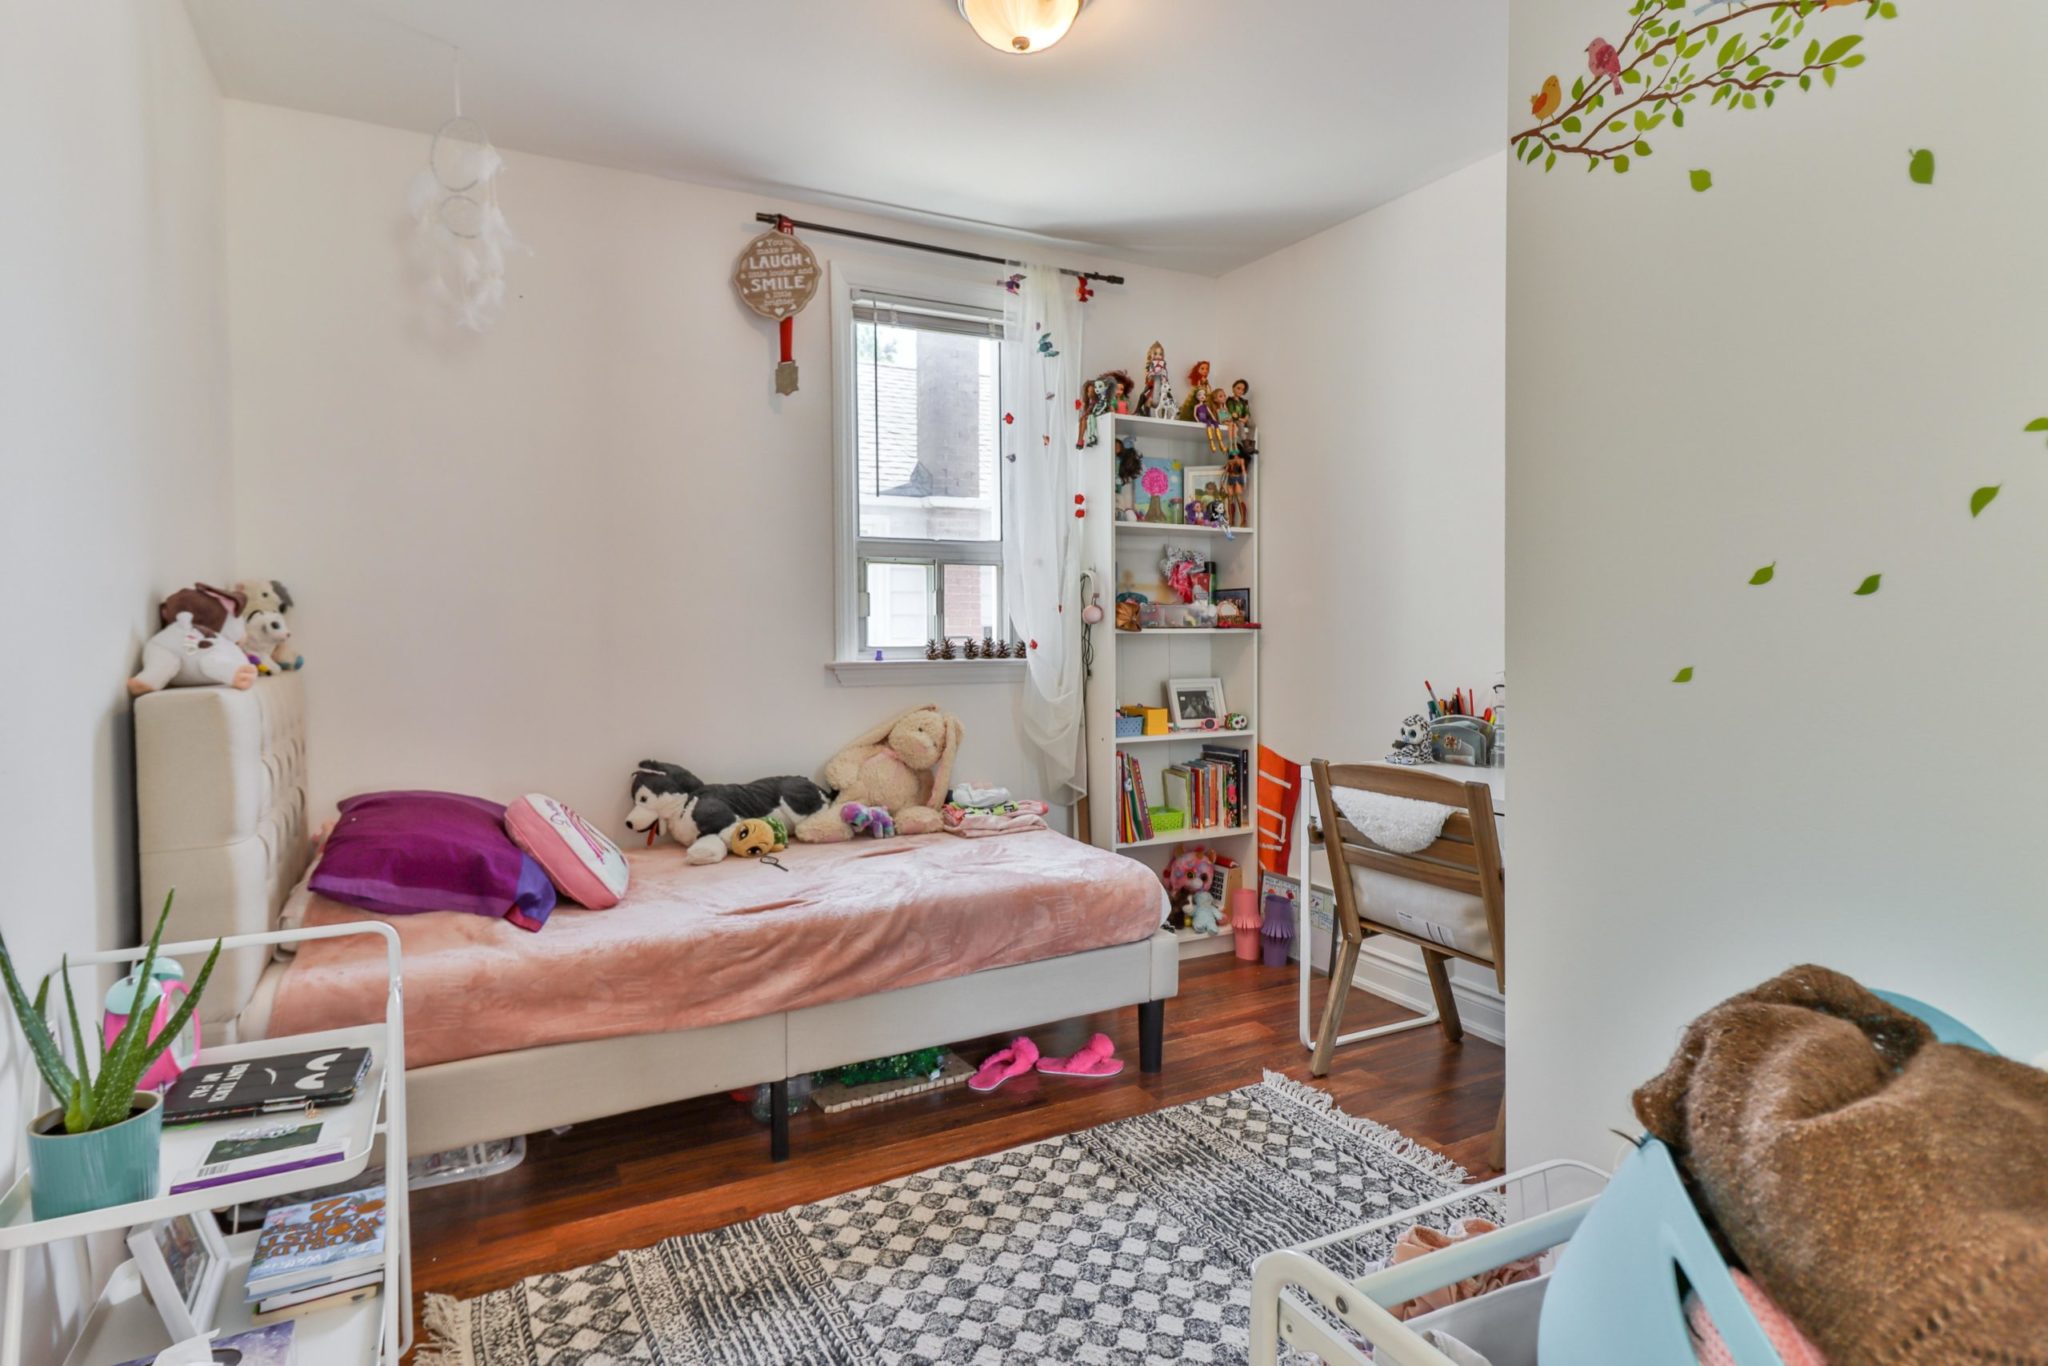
point(875, 673)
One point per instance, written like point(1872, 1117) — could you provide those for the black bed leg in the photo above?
point(778, 1121)
point(1151, 1036)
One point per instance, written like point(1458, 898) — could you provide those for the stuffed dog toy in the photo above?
point(904, 766)
point(268, 595)
point(699, 815)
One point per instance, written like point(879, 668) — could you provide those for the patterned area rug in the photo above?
point(1132, 1242)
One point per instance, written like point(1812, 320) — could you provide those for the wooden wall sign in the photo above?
point(776, 276)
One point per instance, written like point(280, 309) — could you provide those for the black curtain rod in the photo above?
point(926, 246)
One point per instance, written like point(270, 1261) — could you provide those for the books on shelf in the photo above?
point(317, 1245)
point(270, 1345)
point(244, 1156)
point(1211, 789)
point(296, 1304)
point(1134, 816)
point(254, 1086)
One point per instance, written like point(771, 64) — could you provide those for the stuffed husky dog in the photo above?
point(699, 815)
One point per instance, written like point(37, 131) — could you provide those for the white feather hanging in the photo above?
point(464, 237)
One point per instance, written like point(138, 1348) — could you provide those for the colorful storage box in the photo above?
point(1128, 726)
point(1166, 818)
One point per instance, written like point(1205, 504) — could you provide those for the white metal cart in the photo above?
point(123, 1326)
point(1300, 1304)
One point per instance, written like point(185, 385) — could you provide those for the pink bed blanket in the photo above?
point(694, 946)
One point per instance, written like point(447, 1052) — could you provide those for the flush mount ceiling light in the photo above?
point(1020, 27)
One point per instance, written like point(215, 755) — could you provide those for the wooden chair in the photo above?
point(1464, 861)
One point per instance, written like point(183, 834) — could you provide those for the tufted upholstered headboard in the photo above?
point(220, 787)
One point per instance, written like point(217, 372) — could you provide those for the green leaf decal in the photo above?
point(2039, 424)
point(1981, 499)
point(1683, 675)
point(1840, 48)
point(1764, 575)
point(1702, 181)
point(1922, 167)
point(1621, 165)
point(1869, 585)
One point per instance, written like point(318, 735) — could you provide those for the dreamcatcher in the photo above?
point(462, 232)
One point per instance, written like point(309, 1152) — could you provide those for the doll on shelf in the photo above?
point(1237, 415)
point(1209, 412)
point(1198, 390)
point(1236, 510)
point(1157, 398)
point(1125, 393)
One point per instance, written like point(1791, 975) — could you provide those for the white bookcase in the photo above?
point(1133, 668)
point(123, 1326)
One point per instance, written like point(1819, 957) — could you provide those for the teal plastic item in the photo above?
point(1615, 1295)
point(1947, 1028)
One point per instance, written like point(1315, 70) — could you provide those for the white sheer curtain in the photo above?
point(1041, 534)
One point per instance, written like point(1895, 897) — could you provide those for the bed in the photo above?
point(704, 979)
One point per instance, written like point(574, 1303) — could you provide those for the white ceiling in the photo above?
point(1195, 134)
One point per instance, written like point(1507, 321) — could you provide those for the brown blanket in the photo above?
point(1889, 1191)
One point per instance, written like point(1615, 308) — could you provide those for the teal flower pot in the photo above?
point(70, 1173)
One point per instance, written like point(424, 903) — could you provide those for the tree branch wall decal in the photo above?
point(1668, 60)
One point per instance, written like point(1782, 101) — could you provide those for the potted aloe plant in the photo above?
point(99, 1146)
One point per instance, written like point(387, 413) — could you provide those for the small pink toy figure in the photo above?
point(160, 996)
point(1604, 62)
point(1244, 923)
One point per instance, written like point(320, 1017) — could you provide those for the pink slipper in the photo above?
point(1004, 1064)
point(1097, 1058)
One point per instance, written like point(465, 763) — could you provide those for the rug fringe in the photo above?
point(447, 1333)
point(1392, 1141)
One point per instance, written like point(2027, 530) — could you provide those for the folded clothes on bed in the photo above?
point(1005, 818)
point(1888, 1191)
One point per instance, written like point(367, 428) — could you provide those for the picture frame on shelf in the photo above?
point(1196, 703)
point(1158, 497)
point(1202, 488)
point(183, 1262)
point(1233, 607)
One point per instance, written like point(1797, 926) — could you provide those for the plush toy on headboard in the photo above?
point(182, 655)
point(268, 595)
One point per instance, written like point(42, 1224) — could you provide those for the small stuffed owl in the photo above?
point(1412, 748)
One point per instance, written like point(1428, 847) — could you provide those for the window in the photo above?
point(920, 478)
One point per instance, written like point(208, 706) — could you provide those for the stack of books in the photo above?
point(261, 1086)
point(269, 1346)
point(317, 1255)
point(1134, 818)
point(1212, 789)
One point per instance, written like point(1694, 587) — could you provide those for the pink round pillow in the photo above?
point(583, 864)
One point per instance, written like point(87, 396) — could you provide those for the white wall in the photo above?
point(1813, 363)
point(114, 464)
point(1376, 353)
point(529, 559)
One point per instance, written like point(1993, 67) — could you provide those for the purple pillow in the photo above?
point(399, 853)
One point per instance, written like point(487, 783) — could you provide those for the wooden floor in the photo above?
point(636, 1179)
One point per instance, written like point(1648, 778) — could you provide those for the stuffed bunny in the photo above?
point(182, 655)
point(904, 766)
